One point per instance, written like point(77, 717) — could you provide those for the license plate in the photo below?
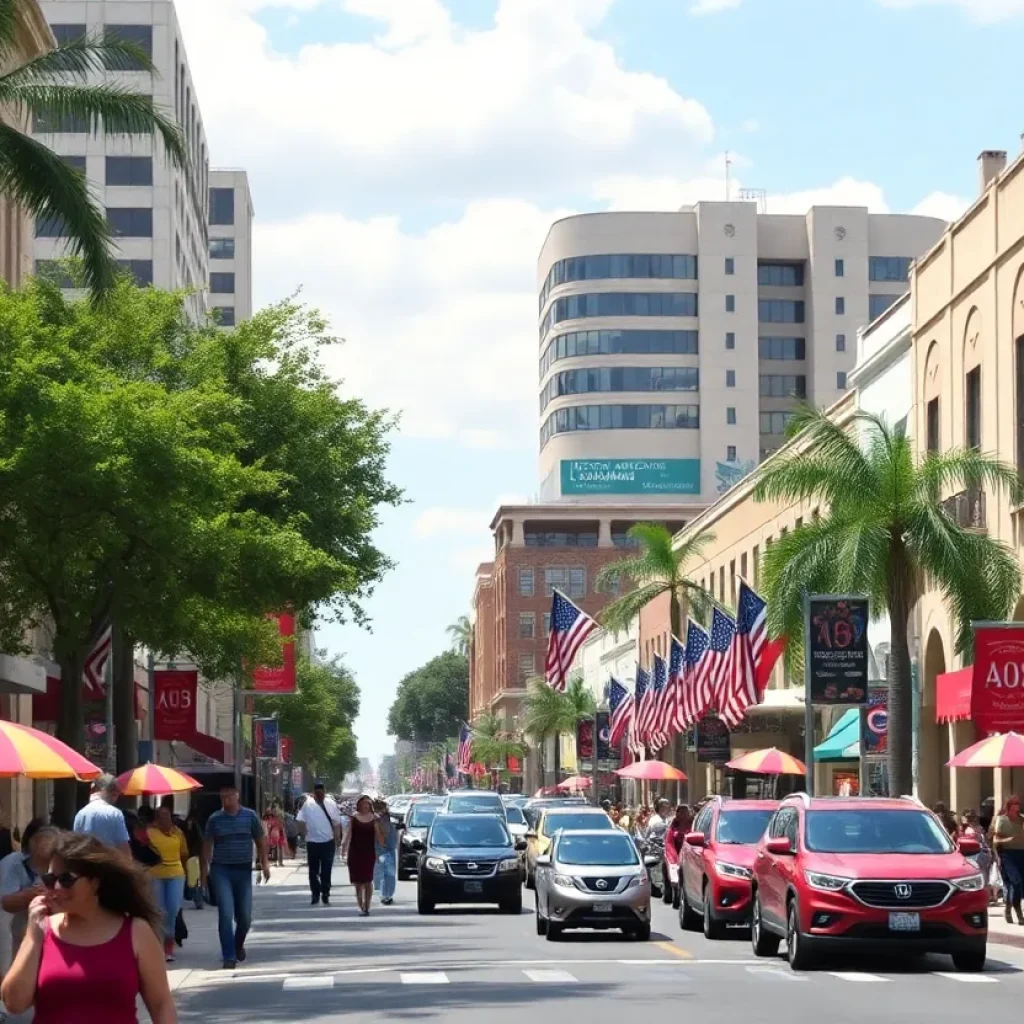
point(474, 886)
point(602, 908)
point(904, 922)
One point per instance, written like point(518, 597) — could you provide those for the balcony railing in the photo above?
point(967, 509)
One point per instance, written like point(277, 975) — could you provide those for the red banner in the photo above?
point(175, 715)
point(997, 686)
point(286, 750)
point(279, 678)
point(46, 706)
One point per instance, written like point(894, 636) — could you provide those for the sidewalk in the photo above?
point(1001, 931)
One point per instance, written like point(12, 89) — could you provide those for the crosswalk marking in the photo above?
point(551, 977)
point(856, 976)
point(311, 981)
point(973, 978)
point(777, 973)
point(424, 978)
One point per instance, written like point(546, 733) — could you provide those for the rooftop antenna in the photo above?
point(728, 168)
point(755, 195)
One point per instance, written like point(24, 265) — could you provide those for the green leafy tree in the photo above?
point(549, 712)
point(659, 567)
point(53, 89)
point(461, 634)
point(493, 744)
point(433, 701)
point(885, 530)
point(319, 718)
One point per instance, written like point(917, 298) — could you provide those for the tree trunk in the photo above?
point(675, 614)
point(70, 726)
point(900, 720)
point(123, 675)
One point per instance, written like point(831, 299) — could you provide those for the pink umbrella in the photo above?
point(652, 771)
point(575, 784)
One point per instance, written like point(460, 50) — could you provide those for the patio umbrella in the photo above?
point(38, 755)
point(651, 771)
point(575, 784)
point(155, 780)
point(770, 761)
point(1004, 750)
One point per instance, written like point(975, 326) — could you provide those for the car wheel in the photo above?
point(797, 953)
point(425, 906)
point(554, 931)
point(667, 887)
point(542, 924)
point(512, 906)
point(676, 891)
point(688, 919)
point(764, 943)
point(642, 932)
point(712, 928)
point(970, 961)
point(403, 875)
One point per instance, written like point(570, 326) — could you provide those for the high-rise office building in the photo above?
point(674, 346)
point(230, 251)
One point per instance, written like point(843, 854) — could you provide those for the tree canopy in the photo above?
point(433, 701)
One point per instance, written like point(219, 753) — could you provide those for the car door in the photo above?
point(770, 886)
point(535, 842)
point(692, 859)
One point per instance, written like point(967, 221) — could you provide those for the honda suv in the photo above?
point(835, 874)
point(716, 863)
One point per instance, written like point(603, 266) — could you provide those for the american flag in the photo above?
point(641, 696)
point(747, 658)
point(620, 700)
point(696, 685)
point(722, 630)
point(95, 667)
point(672, 703)
point(464, 756)
point(570, 626)
point(655, 695)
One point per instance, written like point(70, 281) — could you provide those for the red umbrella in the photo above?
point(770, 761)
point(575, 784)
point(1004, 750)
point(652, 771)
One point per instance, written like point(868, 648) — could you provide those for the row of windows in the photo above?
point(570, 580)
point(630, 265)
point(624, 378)
point(140, 36)
point(607, 343)
point(782, 348)
point(224, 315)
point(780, 311)
point(780, 275)
point(783, 385)
point(878, 304)
point(889, 268)
point(119, 170)
point(561, 538)
point(620, 417)
point(56, 271)
point(775, 422)
point(222, 248)
point(574, 307)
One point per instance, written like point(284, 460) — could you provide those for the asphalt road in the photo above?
point(326, 964)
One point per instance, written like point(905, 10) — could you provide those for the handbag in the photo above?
point(180, 929)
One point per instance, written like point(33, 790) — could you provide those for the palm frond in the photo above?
point(8, 24)
point(620, 613)
point(965, 469)
point(77, 59)
point(35, 178)
point(698, 601)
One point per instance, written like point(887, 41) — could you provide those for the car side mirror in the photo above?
point(779, 846)
point(544, 861)
point(694, 839)
point(521, 844)
point(969, 847)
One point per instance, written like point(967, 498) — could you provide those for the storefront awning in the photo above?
point(953, 695)
point(843, 740)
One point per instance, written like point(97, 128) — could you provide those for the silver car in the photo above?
point(593, 879)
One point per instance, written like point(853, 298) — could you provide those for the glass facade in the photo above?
point(620, 417)
point(780, 275)
point(878, 304)
point(774, 423)
point(782, 348)
point(783, 385)
point(889, 268)
point(578, 307)
point(780, 311)
point(626, 266)
point(624, 378)
point(610, 343)
point(561, 539)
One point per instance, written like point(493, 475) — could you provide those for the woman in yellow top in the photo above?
point(168, 876)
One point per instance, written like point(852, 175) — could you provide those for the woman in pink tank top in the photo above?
point(91, 947)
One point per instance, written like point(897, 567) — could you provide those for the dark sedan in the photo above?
point(414, 835)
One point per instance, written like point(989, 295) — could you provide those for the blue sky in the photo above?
point(406, 158)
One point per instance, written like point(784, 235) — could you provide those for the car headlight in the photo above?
point(435, 864)
point(826, 883)
point(565, 881)
point(732, 870)
point(635, 880)
point(509, 864)
point(970, 883)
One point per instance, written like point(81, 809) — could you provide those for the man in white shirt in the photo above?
point(320, 822)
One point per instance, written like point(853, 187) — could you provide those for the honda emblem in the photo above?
point(903, 891)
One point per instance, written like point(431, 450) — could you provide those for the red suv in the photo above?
point(841, 873)
point(716, 863)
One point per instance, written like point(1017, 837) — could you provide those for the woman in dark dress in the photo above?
point(359, 847)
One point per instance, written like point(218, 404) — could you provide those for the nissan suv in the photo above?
point(833, 874)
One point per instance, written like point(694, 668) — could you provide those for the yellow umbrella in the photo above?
point(155, 779)
point(38, 755)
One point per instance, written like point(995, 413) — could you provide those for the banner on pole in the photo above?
point(279, 678)
point(174, 716)
point(837, 649)
point(267, 735)
point(997, 684)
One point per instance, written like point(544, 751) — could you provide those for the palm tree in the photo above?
point(657, 569)
point(493, 744)
point(549, 712)
point(885, 531)
point(461, 633)
point(52, 89)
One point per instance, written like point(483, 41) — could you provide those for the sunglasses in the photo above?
point(65, 879)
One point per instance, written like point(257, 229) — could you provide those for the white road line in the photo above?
point(856, 976)
point(424, 978)
point(970, 978)
point(552, 977)
point(314, 981)
point(776, 972)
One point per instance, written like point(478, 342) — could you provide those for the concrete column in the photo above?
point(518, 536)
point(929, 770)
point(1001, 786)
point(604, 534)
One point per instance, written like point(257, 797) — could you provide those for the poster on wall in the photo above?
point(175, 707)
point(713, 740)
point(630, 476)
point(837, 649)
point(607, 759)
point(279, 678)
point(997, 683)
point(266, 734)
point(876, 721)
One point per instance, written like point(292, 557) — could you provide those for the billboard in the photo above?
point(630, 476)
point(837, 649)
point(174, 716)
point(997, 684)
point(279, 678)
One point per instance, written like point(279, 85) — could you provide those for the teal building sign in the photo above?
point(630, 476)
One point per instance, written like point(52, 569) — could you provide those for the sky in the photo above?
point(407, 157)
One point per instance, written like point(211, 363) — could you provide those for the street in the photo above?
point(324, 964)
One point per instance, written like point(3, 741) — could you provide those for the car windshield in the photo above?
point(596, 851)
point(875, 831)
point(421, 816)
point(514, 816)
point(482, 831)
point(475, 805)
point(742, 828)
point(575, 821)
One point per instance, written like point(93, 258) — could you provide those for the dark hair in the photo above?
point(145, 814)
point(30, 830)
point(168, 801)
point(124, 889)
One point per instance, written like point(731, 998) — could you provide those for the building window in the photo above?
point(780, 275)
point(49, 227)
point(730, 416)
point(620, 417)
point(757, 564)
point(624, 266)
point(721, 583)
point(730, 339)
point(129, 170)
point(140, 36)
point(732, 583)
point(605, 343)
point(570, 581)
point(67, 124)
point(878, 304)
point(780, 311)
point(561, 539)
point(224, 315)
point(68, 33)
point(782, 348)
point(56, 273)
point(222, 206)
point(840, 306)
point(972, 411)
point(889, 268)
point(130, 221)
point(547, 625)
point(730, 453)
point(840, 268)
point(783, 385)
point(840, 342)
point(730, 378)
point(141, 270)
point(628, 378)
point(222, 283)
point(222, 248)
point(77, 162)
point(578, 307)
point(743, 565)
point(527, 622)
point(841, 380)
point(730, 266)
point(932, 426)
point(730, 303)
point(527, 667)
point(774, 422)
point(526, 583)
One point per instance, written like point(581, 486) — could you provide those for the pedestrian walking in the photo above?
point(168, 875)
point(21, 876)
point(91, 946)
point(291, 832)
point(193, 872)
point(320, 819)
point(100, 818)
point(361, 838)
point(227, 869)
point(385, 871)
point(1008, 841)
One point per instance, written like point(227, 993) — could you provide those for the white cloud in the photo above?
point(984, 11)
point(439, 519)
point(750, 126)
point(407, 21)
point(942, 204)
point(465, 560)
point(713, 6)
